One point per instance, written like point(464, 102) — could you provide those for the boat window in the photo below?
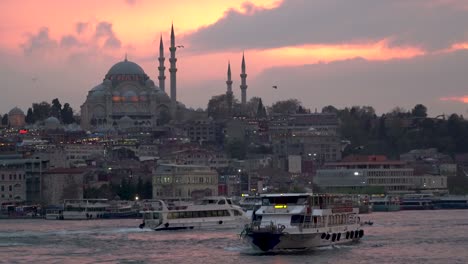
point(229, 201)
point(291, 200)
point(222, 202)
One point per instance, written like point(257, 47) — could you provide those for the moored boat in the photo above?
point(451, 202)
point(417, 201)
point(207, 213)
point(83, 209)
point(384, 203)
point(302, 222)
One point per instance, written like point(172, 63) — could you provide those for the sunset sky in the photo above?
point(339, 52)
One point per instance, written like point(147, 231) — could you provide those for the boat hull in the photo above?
point(271, 242)
point(218, 224)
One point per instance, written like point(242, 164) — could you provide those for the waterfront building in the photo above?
point(62, 183)
point(362, 173)
point(204, 131)
point(184, 181)
point(79, 153)
point(33, 168)
point(313, 136)
point(12, 183)
point(197, 156)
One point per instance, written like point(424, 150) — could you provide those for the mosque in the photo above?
point(127, 97)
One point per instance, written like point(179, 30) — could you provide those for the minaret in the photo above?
point(173, 70)
point(243, 85)
point(161, 68)
point(229, 88)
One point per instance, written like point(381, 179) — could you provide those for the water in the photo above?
point(400, 237)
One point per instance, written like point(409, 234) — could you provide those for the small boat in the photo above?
point(54, 213)
point(302, 222)
point(368, 223)
point(451, 202)
point(207, 213)
point(384, 203)
point(83, 209)
point(417, 201)
point(121, 210)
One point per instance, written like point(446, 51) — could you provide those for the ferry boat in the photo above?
point(250, 204)
point(417, 201)
point(384, 203)
point(83, 209)
point(121, 210)
point(302, 222)
point(54, 213)
point(207, 213)
point(451, 202)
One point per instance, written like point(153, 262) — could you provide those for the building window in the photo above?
point(10, 188)
point(3, 188)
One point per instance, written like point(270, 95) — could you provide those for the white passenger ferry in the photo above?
point(303, 221)
point(207, 213)
point(83, 209)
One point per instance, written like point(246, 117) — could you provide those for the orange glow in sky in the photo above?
point(463, 99)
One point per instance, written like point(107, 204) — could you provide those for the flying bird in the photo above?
point(275, 87)
point(180, 46)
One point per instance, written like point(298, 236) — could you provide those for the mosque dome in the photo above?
point(51, 123)
point(15, 111)
point(126, 67)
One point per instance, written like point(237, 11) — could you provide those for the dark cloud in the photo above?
point(69, 41)
point(382, 84)
point(104, 30)
point(112, 42)
point(80, 27)
point(38, 42)
point(415, 22)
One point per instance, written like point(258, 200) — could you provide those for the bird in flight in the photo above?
point(180, 46)
point(275, 87)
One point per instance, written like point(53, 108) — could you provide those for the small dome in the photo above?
point(51, 123)
point(16, 111)
point(99, 87)
point(149, 83)
point(125, 67)
point(52, 120)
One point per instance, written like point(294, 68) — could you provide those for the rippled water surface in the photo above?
point(399, 237)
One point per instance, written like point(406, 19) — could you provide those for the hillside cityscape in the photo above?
point(133, 140)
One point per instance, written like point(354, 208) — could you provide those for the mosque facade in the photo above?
point(127, 97)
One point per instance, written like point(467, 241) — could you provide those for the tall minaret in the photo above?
point(243, 85)
point(173, 70)
point(161, 68)
point(229, 88)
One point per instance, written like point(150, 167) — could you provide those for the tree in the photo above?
point(30, 117)
point(330, 109)
point(147, 190)
point(41, 111)
point(261, 111)
point(419, 110)
point(5, 120)
point(289, 106)
point(56, 109)
point(236, 149)
point(67, 114)
point(218, 107)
